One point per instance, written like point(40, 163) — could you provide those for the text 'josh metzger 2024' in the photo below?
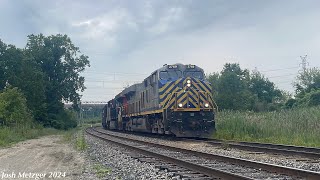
point(29, 175)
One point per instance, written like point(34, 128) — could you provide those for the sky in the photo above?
point(126, 40)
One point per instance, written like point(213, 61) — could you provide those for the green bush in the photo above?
point(13, 108)
point(308, 99)
point(65, 119)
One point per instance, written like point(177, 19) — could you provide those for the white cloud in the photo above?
point(104, 25)
point(168, 21)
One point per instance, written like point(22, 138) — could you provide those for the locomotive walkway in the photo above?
point(199, 165)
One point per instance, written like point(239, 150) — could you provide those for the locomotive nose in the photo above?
point(201, 124)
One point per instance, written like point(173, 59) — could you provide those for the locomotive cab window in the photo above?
point(170, 75)
point(194, 74)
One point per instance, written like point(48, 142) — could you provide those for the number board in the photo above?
point(172, 66)
point(191, 66)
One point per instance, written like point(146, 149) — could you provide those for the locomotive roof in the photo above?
point(177, 66)
point(128, 90)
point(180, 67)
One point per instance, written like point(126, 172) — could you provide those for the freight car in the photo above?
point(175, 99)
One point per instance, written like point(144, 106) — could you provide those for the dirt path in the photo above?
point(44, 158)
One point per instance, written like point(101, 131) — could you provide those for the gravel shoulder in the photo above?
point(43, 158)
point(114, 162)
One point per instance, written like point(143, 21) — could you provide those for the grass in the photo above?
point(80, 141)
point(76, 137)
point(101, 171)
point(12, 135)
point(92, 120)
point(296, 126)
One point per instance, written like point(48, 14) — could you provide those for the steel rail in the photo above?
point(309, 152)
point(266, 147)
point(265, 166)
point(188, 165)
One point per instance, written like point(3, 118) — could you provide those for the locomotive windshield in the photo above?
point(195, 74)
point(170, 75)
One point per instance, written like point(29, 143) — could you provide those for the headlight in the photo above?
point(188, 81)
point(188, 85)
point(206, 105)
point(180, 105)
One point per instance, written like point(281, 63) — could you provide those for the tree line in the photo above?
point(37, 79)
point(235, 88)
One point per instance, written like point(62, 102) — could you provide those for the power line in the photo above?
point(280, 69)
point(114, 73)
point(282, 76)
point(111, 81)
point(102, 87)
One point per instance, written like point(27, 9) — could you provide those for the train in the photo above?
point(173, 100)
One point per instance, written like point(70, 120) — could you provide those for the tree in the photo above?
point(20, 71)
point(46, 72)
point(237, 89)
point(267, 95)
point(307, 80)
point(232, 88)
point(263, 88)
point(213, 78)
point(3, 48)
point(61, 63)
point(307, 89)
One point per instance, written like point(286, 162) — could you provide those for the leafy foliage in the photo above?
point(308, 80)
point(13, 108)
point(47, 73)
point(307, 89)
point(20, 71)
point(238, 89)
point(59, 60)
point(309, 99)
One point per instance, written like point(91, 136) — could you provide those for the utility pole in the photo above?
point(304, 63)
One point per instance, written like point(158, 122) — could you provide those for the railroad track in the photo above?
point(309, 152)
point(198, 165)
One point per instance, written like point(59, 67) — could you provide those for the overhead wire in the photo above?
point(271, 70)
point(114, 73)
point(282, 75)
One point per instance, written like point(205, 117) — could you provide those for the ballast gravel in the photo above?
point(109, 161)
point(278, 159)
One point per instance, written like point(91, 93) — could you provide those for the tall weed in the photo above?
point(300, 126)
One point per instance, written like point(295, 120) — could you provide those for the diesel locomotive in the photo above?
point(175, 99)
